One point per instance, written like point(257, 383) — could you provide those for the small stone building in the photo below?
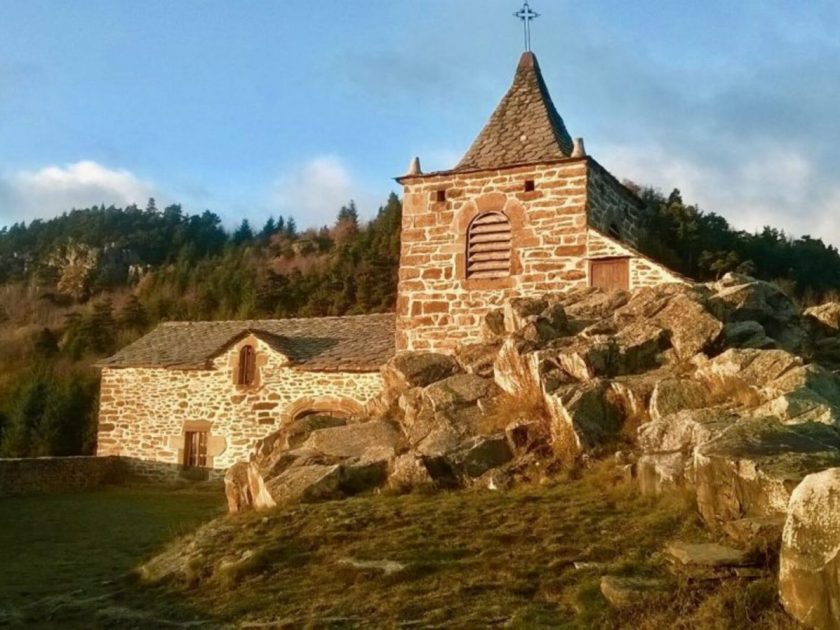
point(200, 394)
point(525, 212)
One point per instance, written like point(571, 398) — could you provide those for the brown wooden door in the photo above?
point(610, 273)
point(195, 449)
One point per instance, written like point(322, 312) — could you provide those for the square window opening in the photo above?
point(529, 185)
point(441, 196)
point(195, 449)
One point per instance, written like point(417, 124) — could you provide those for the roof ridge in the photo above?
point(193, 322)
point(524, 128)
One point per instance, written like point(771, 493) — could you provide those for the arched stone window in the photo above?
point(488, 246)
point(335, 406)
point(247, 373)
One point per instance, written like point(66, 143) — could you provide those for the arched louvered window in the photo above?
point(488, 246)
point(247, 366)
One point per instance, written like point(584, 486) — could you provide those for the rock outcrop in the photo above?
point(713, 385)
point(809, 563)
point(725, 389)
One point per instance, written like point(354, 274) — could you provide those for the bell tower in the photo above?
point(525, 212)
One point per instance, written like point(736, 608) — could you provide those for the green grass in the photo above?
point(59, 549)
point(473, 559)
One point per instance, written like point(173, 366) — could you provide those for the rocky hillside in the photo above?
point(723, 388)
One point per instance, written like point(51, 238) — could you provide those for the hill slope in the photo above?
point(76, 287)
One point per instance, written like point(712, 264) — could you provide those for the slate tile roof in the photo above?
point(360, 343)
point(524, 129)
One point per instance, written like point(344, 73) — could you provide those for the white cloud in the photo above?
point(27, 195)
point(782, 188)
point(314, 192)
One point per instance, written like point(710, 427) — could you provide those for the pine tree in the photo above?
point(133, 315)
point(269, 228)
point(243, 233)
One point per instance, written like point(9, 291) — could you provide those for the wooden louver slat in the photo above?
point(489, 246)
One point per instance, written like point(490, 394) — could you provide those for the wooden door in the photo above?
point(195, 449)
point(610, 273)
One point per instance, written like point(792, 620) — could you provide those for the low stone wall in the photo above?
point(58, 474)
point(150, 471)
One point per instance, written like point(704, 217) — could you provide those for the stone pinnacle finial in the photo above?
point(578, 149)
point(414, 167)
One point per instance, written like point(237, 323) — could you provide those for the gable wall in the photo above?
point(644, 272)
point(437, 306)
point(610, 204)
point(144, 411)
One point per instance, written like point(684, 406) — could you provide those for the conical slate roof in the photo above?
point(525, 128)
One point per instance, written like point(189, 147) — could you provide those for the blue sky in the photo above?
point(251, 108)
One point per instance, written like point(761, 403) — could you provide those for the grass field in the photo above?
point(471, 559)
point(60, 551)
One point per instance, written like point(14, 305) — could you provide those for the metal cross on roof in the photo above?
point(526, 14)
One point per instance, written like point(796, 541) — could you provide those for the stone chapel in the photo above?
point(525, 212)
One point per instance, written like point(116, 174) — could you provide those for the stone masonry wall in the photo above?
point(37, 475)
point(438, 307)
point(613, 210)
point(144, 412)
point(643, 271)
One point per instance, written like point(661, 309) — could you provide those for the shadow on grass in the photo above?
point(67, 557)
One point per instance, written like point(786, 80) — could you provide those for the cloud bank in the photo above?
point(27, 195)
point(315, 191)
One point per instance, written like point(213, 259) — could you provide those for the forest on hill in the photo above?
point(77, 287)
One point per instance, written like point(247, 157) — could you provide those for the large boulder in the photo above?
point(417, 369)
point(746, 334)
point(409, 471)
point(237, 489)
point(637, 348)
point(631, 350)
point(632, 394)
point(692, 328)
point(684, 430)
point(668, 445)
point(671, 395)
point(518, 312)
point(751, 468)
point(741, 298)
point(809, 563)
point(591, 304)
point(480, 454)
point(437, 418)
point(582, 358)
point(477, 358)
point(754, 367)
point(581, 417)
point(311, 482)
point(245, 488)
point(354, 440)
point(645, 303)
point(459, 391)
point(805, 393)
point(824, 318)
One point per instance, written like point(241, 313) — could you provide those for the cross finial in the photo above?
point(526, 14)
